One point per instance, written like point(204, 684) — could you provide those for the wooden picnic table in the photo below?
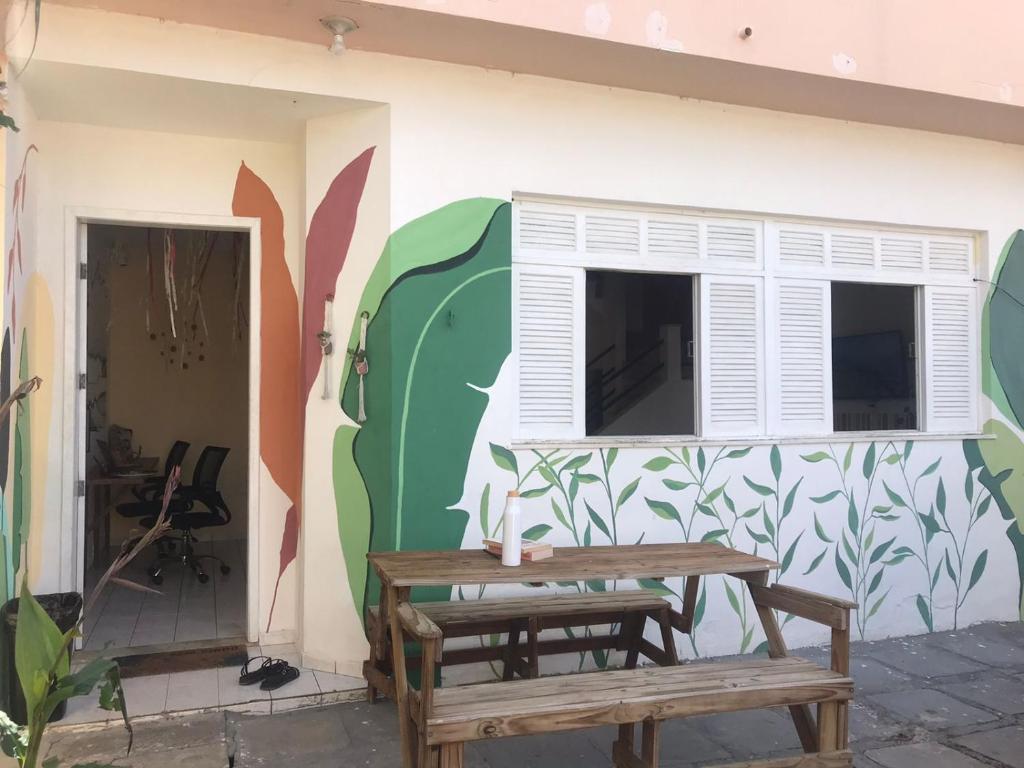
point(399, 572)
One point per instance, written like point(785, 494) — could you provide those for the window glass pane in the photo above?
point(640, 374)
point(874, 365)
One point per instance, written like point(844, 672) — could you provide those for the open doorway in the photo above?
point(167, 341)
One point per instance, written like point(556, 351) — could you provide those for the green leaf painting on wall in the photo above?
point(21, 503)
point(998, 461)
point(1002, 322)
point(436, 339)
point(1003, 382)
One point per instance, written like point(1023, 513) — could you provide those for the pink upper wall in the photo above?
point(943, 46)
point(922, 64)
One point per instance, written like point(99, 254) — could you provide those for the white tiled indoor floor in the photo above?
point(185, 610)
point(219, 689)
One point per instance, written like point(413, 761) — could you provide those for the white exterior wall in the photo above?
point(458, 132)
point(113, 170)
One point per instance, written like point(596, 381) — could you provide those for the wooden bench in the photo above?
point(529, 616)
point(445, 719)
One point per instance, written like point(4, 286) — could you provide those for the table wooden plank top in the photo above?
point(630, 561)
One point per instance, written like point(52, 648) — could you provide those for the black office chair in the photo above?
point(185, 516)
point(149, 494)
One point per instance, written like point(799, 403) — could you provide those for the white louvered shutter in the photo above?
point(950, 255)
point(673, 236)
point(613, 233)
point(901, 253)
point(546, 229)
point(548, 321)
point(950, 360)
point(801, 357)
point(800, 247)
point(732, 356)
point(732, 243)
point(852, 250)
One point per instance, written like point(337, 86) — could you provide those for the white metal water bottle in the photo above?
point(511, 527)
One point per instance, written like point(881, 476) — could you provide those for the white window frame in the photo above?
point(955, 264)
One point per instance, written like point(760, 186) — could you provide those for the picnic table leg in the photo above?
point(841, 664)
point(668, 642)
point(631, 632)
point(452, 755)
point(650, 743)
point(801, 713)
point(373, 636)
point(828, 726)
point(511, 652)
point(690, 602)
point(622, 748)
point(532, 651)
point(396, 595)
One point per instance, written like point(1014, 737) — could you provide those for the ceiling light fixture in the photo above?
point(339, 26)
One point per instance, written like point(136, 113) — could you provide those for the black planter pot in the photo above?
point(64, 608)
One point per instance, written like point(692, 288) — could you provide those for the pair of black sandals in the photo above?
point(271, 674)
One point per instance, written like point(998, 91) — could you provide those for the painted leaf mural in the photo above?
point(280, 400)
point(436, 343)
point(327, 244)
point(1002, 324)
point(5, 392)
point(21, 502)
point(1001, 459)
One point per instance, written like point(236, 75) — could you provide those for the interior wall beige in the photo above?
point(149, 390)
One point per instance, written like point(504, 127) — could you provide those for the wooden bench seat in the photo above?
point(463, 618)
point(445, 719)
point(569, 702)
point(628, 610)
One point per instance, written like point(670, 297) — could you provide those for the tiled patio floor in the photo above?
point(948, 700)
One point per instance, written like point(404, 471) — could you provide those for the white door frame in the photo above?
point(72, 526)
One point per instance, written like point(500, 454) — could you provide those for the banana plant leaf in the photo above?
point(435, 345)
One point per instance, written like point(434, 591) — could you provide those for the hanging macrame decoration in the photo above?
point(149, 282)
point(170, 258)
point(361, 364)
point(240, 252)
point(326, 345)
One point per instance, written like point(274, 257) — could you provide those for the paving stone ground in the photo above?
point(945, 700)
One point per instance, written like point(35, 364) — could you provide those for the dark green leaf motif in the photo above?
point(977, 570)
point(596, 519)
point(775, 459)
point(763, 490)
point(869, 461)
point(820, 532)
point(825, 498)
point(816, 562)
point(537, 532)
point(844, 572)
point(504, 458)
point(425, 396)
point(663, 509)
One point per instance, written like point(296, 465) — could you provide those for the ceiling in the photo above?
point(124, 99)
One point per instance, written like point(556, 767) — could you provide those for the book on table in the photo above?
point(532, 550)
